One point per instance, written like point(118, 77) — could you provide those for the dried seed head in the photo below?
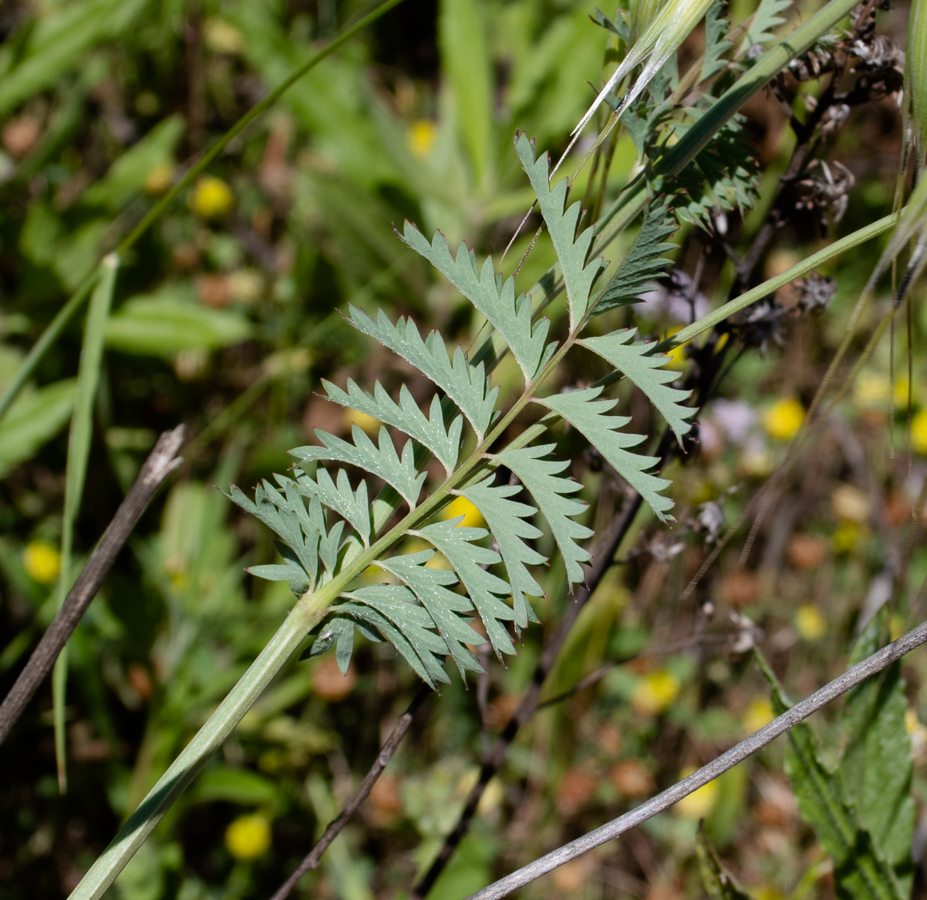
point(816, 292)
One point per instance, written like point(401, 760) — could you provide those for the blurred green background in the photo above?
point(226, 318)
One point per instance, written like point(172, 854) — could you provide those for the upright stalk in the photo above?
point(305, 615)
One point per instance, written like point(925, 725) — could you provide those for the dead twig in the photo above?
point(161, 462)
point(737, 754)
point(335, 827)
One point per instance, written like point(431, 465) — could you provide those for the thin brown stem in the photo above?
point(161, 462)
point(314, 857)
point(494, 756)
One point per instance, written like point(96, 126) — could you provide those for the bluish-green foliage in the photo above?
point(425, 613)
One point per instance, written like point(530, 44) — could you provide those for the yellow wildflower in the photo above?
point(919, 432)
point(655, 693)
point(472, 517)
point(870, 390)
point(248, 837)
point(159, 179)
point(757, 714)
point(366, 423)
point(676, 357)
point(699, 803)
point(845, 537)
point(212, 199)
point(756, 461)
point(221, 37)
point(916, 732)
point(897, 626)
point(179, 579)
point(900, 391)
point(783, 419)
point(421, 137)
point(850, 504)
point(42, 562)
point(809, 623)
point(769, 893)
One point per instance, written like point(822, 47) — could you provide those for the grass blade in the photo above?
point(77, 299)
point(88, 378)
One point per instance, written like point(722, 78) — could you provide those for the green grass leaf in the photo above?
point(79, 437)
point(465, 57)
point(64, 35)
point(171, 320)
point(34, 419)
point(126, 177)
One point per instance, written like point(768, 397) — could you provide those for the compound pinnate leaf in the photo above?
point(562, 223)
point(644, 263)
point(589, 416)
point(492, 296)
point(509, 523)
point(542, 476)
point(470, 561)
point(287, 517)
point(393, 610)
point(716, 29)
point(379, 459)
point(428, 616)
point(428, 430)
point(293, 574)
point(353, 506)
point(446, 608)
point(466, 385)
point(764, 20)
point(637, 362)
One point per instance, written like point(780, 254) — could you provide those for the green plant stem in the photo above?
point(78, 299)
point(550, 285)
point(706, 323)
point(629, 204)
point(305, 615)
point(49, 336)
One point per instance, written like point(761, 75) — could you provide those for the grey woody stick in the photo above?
point(611, 830)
